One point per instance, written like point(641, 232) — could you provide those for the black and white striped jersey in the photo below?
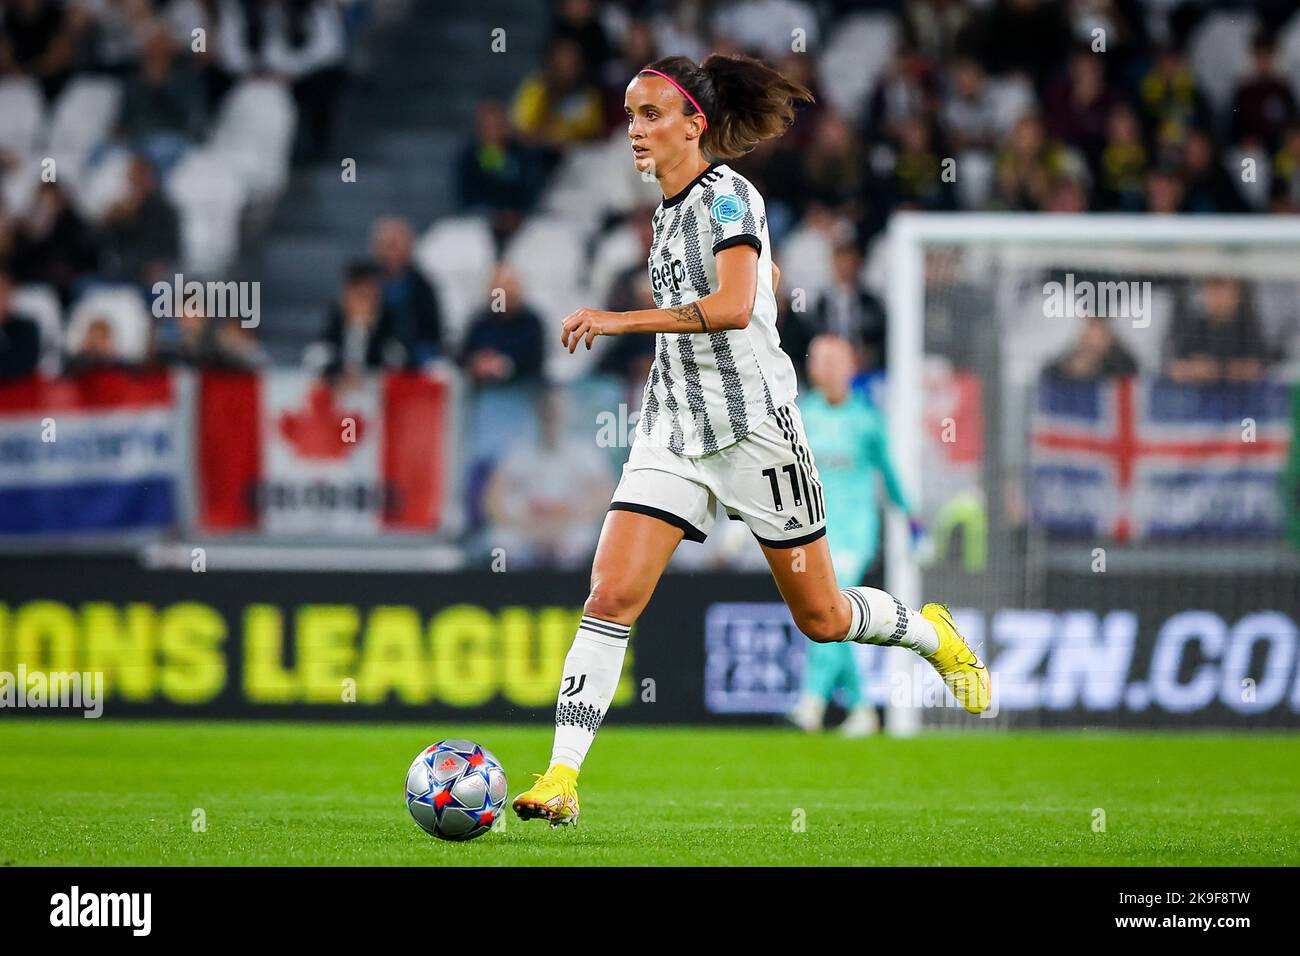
point(709, 390)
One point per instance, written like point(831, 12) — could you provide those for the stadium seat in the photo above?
point(124, 308)
point(1012, 98)
point(457, 255)
point(84, 116)
point(254, 131)
point(548, 256)
point(18, 187)
point(40, 303)
point(208, 194)
point(978, 173)
point(22, 115)
point(1219, 51)
point(805, 260)
point(597, 180)
point(860, 48)
point(102, 184)
point(1288, 52)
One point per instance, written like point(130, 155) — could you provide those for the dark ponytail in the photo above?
point(744, 100)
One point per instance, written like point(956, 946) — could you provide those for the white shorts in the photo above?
point(767, 479)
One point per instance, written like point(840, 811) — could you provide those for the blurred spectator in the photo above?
point(39, 39)
point(117, 31)
point(161, 101)
point(936, 27)
point(1263, 105)
point(1028, 36)
point(20, 337)
point(832, 170)
point(558, 106)
point(546, 499)
point(1067, 194)
point(630, 356)
point(919, 180)
point(140, 237)
point(96, 350)
point(1164, 191)
point(1027, 166)
point(1123, 165)
point(504, 341)
point(905, 91)
point(1286, 168)
point(1097, 354)
point(969, 115)
point(1217, 336)
point(360, 333)
point(1078, 105)
point(53, 244)
point(306, 45)
point(576, 20)
point(637, 49)
point(301, 41)
point(846, 310)
point(495, 172)
point(193, 340)
point(1169, 95)
point(1208, 188)
point(407, 295)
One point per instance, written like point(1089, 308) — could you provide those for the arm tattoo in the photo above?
point(690, 312)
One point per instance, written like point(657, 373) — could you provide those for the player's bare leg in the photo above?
point(633, 551)
point(826, 613)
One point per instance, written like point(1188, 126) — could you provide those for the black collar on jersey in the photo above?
point(673, 201)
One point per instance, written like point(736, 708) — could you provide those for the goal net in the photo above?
point(1095, 415)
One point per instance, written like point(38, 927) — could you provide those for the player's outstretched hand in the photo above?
point(584, 324)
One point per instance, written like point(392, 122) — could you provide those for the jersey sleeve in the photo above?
point(736, 214)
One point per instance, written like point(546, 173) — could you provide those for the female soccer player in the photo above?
point(718, 420)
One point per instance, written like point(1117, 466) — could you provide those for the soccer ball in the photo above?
point(455, 789)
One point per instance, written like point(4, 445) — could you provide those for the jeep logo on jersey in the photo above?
point(728, 208)
point(668, 275)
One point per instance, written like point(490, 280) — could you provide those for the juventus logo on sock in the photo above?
point(573, 685)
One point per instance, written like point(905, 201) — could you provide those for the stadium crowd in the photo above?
point(1161, 106)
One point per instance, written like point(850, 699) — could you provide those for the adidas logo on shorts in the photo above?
point(792, 524)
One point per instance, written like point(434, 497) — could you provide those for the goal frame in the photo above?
point(907, 235)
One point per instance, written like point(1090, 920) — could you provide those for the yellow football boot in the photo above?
point(553, 796)
point(958, 665)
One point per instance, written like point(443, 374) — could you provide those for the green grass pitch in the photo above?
point(125, 792)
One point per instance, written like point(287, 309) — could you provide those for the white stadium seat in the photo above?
point(22, 115)
point(208, 195)
point(1219, 51)
point(103, 184)
point(457, 255)
point(83, 117)
point(254, 130)
point(860, 48)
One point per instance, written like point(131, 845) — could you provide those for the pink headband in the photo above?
point(681, 90)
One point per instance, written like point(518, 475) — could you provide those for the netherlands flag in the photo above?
point(98, 452)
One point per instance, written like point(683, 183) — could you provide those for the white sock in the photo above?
point(591, 673)
point(880, 618)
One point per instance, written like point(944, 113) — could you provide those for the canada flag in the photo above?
point(286, 452)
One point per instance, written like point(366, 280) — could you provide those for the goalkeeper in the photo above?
point(848, 434)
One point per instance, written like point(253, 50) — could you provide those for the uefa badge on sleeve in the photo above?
point(729, 208)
